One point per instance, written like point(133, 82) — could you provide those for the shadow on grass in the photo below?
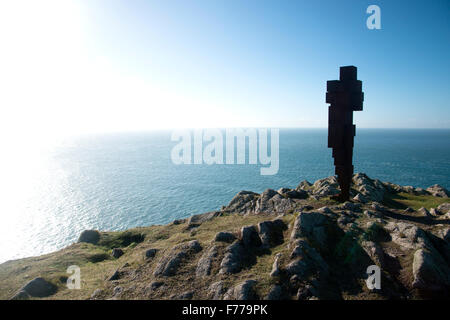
point(423, 220)
point(394, 201)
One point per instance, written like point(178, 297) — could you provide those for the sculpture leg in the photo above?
point(344, 177)
point(344, 172)
point(345, 181)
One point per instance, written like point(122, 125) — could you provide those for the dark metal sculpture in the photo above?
point(344, 96)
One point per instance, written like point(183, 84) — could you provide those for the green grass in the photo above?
point(404, 200)
point(120, 239)
point(348, 249)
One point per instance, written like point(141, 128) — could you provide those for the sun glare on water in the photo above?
point(54, 85)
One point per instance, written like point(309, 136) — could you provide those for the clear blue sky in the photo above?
point(243, 63)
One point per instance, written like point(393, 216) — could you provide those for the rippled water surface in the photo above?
point(118, 181)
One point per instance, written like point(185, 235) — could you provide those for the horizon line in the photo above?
point(250, 127)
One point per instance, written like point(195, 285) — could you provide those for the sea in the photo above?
point(118, 181)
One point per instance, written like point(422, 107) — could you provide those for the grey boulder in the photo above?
point(243, 291)
point(117, 253)
point(150, 253)
point(225, 237)
point(250, 237)
point(311, 225)
point(438, 191)
point(38, 287)
point(271, 232)
point(168, 265)
point(430, 271)
point(234, 258)
point(205, 262)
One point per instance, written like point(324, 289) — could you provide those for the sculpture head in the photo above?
point(347, 73)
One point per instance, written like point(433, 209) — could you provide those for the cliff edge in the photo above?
point(285, 244)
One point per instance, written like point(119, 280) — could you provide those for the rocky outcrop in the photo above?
point(249, 237)
point(117, 291)
point(178, 221)
point(424, 212)
point(114, 276)
point(117, 253)
point(445, 235)
point(225, 237)
point(293, 193)
point(312, 225)
point(243, 291)
point(96, 294)
point(187, 295)
point(272, 202)
point(430, 271)
point(305, 292)
point(375, 206)
point(197, 219)
point(344, 221)
point(408, 236)
point(372, 214)
point(250, 243)
point(360, 198)
point(368, 189)
point(306, 261)
point(21, 295)
point(38, 287)
point(350, 206)
point(155, 285)
point(374, 251)
point(271, 232)
point(216, 290)
point(443, 209)
point(395, 188)
point(233, 259)
point(205, 262)
point(276, 293)
point(438, 191)
point(364, 190)
point(326, 210)
point(325, 187)
point(276, 266)
point(150, 253)
point(169, 264)
point(304, 185)
point(243, 202)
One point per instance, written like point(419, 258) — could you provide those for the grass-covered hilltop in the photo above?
point(285, 244)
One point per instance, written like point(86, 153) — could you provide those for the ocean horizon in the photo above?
point(123, 180)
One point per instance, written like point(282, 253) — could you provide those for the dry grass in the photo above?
point(97, 264)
